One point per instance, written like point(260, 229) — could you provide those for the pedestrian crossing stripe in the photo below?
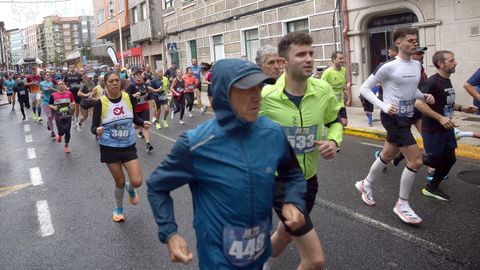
point(6, 190)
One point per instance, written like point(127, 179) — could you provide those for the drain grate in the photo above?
point(470, 176)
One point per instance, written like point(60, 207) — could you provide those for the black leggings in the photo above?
point(24, 103)
point(63, 126)
point(179, 105)
point(442, 165)
point(189, 98)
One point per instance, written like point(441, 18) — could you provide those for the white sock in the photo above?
point(375, 170)
point(465, 134)
point(406, 183)
point(119, 196)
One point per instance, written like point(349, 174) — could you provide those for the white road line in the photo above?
point(44, 219)
point(26, 128)
point(163, 136)
point(36, 176)
point(28, 138)
point(31, 153)
point(371, 144)
point(385, 227)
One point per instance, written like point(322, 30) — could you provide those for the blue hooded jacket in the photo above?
point(230, 167)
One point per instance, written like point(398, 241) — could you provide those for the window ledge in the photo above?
point(188, 3)
point(169, 11)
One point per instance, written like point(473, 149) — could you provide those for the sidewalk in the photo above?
point(3, 100)
point(467, 147)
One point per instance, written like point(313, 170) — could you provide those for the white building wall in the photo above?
point(442, 25)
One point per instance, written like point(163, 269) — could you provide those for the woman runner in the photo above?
point(178, 96)
point(62, 102)
point(113, 116)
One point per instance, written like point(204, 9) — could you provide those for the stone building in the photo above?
point(212, 30)
point(442, 24)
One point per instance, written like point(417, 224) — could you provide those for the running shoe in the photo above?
point(59, 138)
point(66, 149)
point(52, 135)
point(149, 147)
point(34, 117)
point(140, 135)
point(165, 124)
point(13, 109)
point(204, 109)
point(118, 215)
point(39, 119)
point(181, 122)
point(457, 133)
point(430, 176)
point(154, 119)
point(406, 214)
point(435, 193)
point(189, 114)
point(24, 118)
point(132, 197)
point(367, 192)
point(79, 128)
point(172, 116)
point(157, 125)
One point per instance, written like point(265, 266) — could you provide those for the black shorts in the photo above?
point(416, 116)
point(145, 115)
point(342, 113)
point(24, 103)
point(310, 195)
point(9, 94)
point(115, 155)
point(398, 129)
point(160, 100)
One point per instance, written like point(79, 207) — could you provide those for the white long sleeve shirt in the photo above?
point(399, 79)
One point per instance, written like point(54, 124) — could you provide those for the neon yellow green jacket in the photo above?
point(304, 126)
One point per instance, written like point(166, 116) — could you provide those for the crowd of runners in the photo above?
point(235, 180)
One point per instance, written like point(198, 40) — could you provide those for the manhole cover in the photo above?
point(470, 176)
point(473, 119)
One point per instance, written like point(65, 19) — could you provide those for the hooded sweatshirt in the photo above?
point(229, 165)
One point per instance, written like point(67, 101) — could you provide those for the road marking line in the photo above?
point(28, 138)
point(44, 219)
point(5, 190)
point(385, 227)
point(31, 153)
point(36, 176)
point(163, 136)
point(26, 128)
point(372, 144)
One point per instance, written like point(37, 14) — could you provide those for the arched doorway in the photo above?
point(380, 34)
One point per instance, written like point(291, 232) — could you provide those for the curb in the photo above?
point(463, 150)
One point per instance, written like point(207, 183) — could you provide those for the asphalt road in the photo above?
point(64, 220)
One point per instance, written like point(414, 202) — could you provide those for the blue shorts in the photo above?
point(436, 143)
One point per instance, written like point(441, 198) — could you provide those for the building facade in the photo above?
point(145, 30)
point(110, 15)
point(212, 30)
point(442, 25)
point(18, 45)
point(32, 41)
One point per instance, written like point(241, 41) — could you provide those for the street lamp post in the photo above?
point(121, 43)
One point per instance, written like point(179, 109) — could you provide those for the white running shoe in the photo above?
point(189, 114)
point(181, 122)
point(406, 213)
point(172, 116)
point(79, 128)
point(154, 119)
point(367, 192)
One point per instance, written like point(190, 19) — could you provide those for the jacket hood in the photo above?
point(224, 74)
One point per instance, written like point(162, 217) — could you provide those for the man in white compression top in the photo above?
point(399, 77)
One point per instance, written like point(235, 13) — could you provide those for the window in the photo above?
point(218, 49)
point(298, 26)
point(168, 4)
point(101, 16)
point(143, 8)
point(135, 15)
point(251, 44)
point(192, 52)
point(110, 9)
point(120, 6)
